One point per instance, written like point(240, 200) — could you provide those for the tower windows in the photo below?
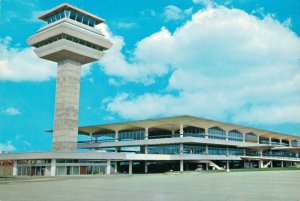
point(72, 15)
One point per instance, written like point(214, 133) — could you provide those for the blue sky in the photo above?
point(232, 61)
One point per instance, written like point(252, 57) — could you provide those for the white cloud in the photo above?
point(7, 147)
point(225, 63)
point(115, 63)
point(172, 12)
point(208, 3)
point(126, 25)
point(288, 22)
point(18, 64)
point(28, 144)
point(22, 64)
point(148, 12)
point(12, 111)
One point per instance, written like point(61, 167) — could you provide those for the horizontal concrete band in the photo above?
point(129, 156)
point(112, 156)
point(167, 141)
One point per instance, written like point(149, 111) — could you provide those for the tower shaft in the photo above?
point(66, 106)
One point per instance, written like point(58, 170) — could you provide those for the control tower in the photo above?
point(70, 39)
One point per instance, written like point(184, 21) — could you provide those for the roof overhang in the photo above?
point(64, 6)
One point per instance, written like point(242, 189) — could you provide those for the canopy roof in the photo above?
point(64, 6)
point(173, 124)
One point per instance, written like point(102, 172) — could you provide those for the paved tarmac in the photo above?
point(254, 186)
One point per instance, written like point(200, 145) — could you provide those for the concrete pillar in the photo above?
point(173, 134)
point(66, 106)
point(181, 130)
point(226, 137)
point(260, 153)
point(108, 166)
point(206, 166)
point(116, 149)
point(53, 167)
point(270, 140)
point(290, 143)
point(130, 167)
point(244, 137)
point(116, 167)
point(181, 148)
point(116, 135)
point(91, 138)
point(206, 149)
point(227, 165)
point(146, 149)
point(181, 165)
point(146, 167)
point(257, 139)
point(15, 168)
point(271, 164)
point(260, 164)
point(282, 164)
point(146, 133)
point(280, 141)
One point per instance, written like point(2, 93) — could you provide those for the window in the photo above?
point(216, 133)
point(72, 15)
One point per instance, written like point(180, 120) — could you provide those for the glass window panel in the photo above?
point(72, 15)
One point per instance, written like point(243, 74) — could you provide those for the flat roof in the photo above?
point(173, 124)
point(64, 6)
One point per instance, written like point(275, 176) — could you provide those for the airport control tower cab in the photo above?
point(70, 39)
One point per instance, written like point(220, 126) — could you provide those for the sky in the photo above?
point(230, 61)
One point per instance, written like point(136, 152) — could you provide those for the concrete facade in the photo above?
point(66, 106)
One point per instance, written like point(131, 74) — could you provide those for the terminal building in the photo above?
point(180, 143)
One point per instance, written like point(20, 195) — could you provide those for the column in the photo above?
point(146, 167)
point(116, 149)
point(282, 164)
point(206, 149)
point(130, 167)
point(181, 130)
point(244, 137)
point(91, 138)
point(181, 148)
point(257, 139)
point(260, 164)
point(146, 149)
point(15, 168)
point(146, 133)
point(260, 153)
point(226, 137)
point(271, 164)
point(206, 166)
point(116, 166)
point(65, 130)
point(117, 135)
point(280, 141)
point(108, 166)
point(206, 133)
point(181, 165)
point(227, 165)
point(53, 167)
point(173, 134)
point(290, 143)
point(270, 140)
